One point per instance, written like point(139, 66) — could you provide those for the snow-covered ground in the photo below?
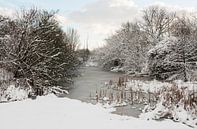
point(154, 86)
point(91, 64)
point(175, 100)
point(164, 100)
point(50, 112)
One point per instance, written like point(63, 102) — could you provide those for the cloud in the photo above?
point(105, 11)
point(61, 19)
point(99, 19)
point(7, 12)
point(175, 8)
point(102, 17)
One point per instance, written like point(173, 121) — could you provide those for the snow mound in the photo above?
point(13, 93)
point(177, 114)
point(50, 112)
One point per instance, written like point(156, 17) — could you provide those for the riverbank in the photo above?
point(50, 112)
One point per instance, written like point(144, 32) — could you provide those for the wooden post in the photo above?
point(90, 95)
point(97, 98)
point(149, 97)
point(121, 96)
point(131, 92)
point(100, 94)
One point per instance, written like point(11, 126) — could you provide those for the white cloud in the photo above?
point(61, 19)
point(7, 12)
point(103, 17)
point(118, 3)
point(176, 8)
point(105, 11)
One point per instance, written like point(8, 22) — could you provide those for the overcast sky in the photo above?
point(95, 19)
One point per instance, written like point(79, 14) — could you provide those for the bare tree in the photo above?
point(72, 38)
point(157, 22)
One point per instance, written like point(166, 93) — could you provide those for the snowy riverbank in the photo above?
point(50, 112)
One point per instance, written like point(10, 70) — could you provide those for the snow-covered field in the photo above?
point(50, 112)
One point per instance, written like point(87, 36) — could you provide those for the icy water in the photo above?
point(91, 80)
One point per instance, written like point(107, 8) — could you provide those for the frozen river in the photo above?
point(91, 80)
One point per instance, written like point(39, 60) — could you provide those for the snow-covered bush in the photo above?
point(132, 41)
point(13, 93)
point(177, 101)
point(126, 49)
point(173, 59)
point(14, 90)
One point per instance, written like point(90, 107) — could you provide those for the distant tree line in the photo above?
point(37, 51)
point(162, 44)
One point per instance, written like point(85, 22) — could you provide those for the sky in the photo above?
point(95, 20)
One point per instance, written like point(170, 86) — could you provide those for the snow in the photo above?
point(177, 114)
point(164, 46)
point(58, 90)
point(50, 112)
point(170, 100)
point(168, 108)
point(55, 55)
point(13, 93)
point(117, 69)
point(91, 64)
point(154, 86)
point(113, 105)
point(146, 86)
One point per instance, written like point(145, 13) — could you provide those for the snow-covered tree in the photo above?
point(35, 48)
point(169, 42)
point(125, 49)
point(156, 23)
point(173, 58)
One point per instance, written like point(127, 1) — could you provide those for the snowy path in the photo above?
point(50, 112)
